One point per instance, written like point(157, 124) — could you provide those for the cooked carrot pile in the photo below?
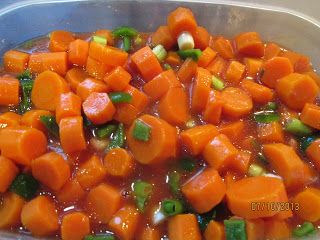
point(179, 133)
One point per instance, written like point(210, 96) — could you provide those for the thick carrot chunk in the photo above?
point(75, 226)
point(10, 210)
point(233, 130)
point(187, 70)
point(118, 79)
point(270, 132)
point(125, 113)
point(163, 36)
point(68, 105)
point(223, 47)
point(213, 109)
point(149, 233)
point(32, 119)
point(8, 171)
point(258, 92)
point(214, 231)
point(173, 58)
point(253, 66)
point(78, 52)
point(75, 76)
point(235, 72)
point(15, 61)
point(97, 69)
point(183, 227)
point(255, 229)
point(60, 40)
point(71, 192)
point(119, 162)
point(90, 85)
point(277, 229)
point(217, 66)
point(206, 57)
point(9, 91)
point(201, 38)
point(139, 99)
point(181, 20)
point(313, 153)
point(10, 119)
point(250, 44)
point(271, 50)
point(310, 115)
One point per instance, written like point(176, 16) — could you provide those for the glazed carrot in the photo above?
point(161, 146)
point(119, 162)
point(78, 52)
point(214, 231)
point(75, 226)
point(160, 84)
point(118, 79)
point(91, 172)
point(173, 58)
point(219, 152)
point(56, 62)
point(51, 170)
point(253, 66)
point(107, 34)
point(98, 108)
point(163, 36)
point(294, 85)
point(206, 57)
point(277, 229)
point(32, 119)
point(223, 47)
point(10, 210)
point(89, 86)
point(237, 103)
point(68, 105)
point(9, 119)
point(217, 66)
point(181, 20)
point(270, 132)
point(15, 61)
point(75, 76)
point(103, 202)
point(313, 153)
point(9, 91)
point(241, 162)
point(249, 44)
point(258, 92)
point(213, 109)
point(97, 69)
point(233, 130)
point(300, 62)
point(60, 40)
point(183, 227)
point(173, 106)
point(274, 69)
point(18, 144)
point(71, 192)
point(287, 164)
point(310, 115)
point(198, 190)
point(147, 63)
point(139, 99)
point(201, 38)
point(272, 50)
point(196, 138)
point(8, 171)
point(235, 72)
point(39, 216)
point(71, 134)
point(149, 233)
point(187, 70)
point(255, 229)
point(124, 222)
point(201, 90)
point(46, 90)
point(243, 194)
point(125, 113)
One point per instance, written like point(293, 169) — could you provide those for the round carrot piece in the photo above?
point(32, 119)
point(149, 233)
point(39, 216)
point(90, 85)
point(68, 105)
point(161, 146)
point(9, 119)
point(118, 79)
point(9, 91)
point(8, 171)
point(180, 20)
point(15, 61)
point(75, 226)
point(60, 40)
point(183, 227)
point(118, 162)
point(10, 210)
point(46, 89)
point(249, 44)
point(75, 76)
point(258, 92)
point(78, 52)
point(163, 36)
point(214, 231)
point(71, 192)
point(201, 38)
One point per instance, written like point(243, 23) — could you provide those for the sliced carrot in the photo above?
point(103, 202)
point(32, 119)
point(10, 210)
point(255, 229)
point(68, 105)
point(258, 92)
point(139, 99)
point(181, 19)
point(89, 86)
point(22, 144)
point(235, 72)
point(51, 170)
point(173, 58)
point(198, 190)
point(119, 162)
point(183, 227)
point(223, 47)
point(118, 79)
point(213, 109)
point(124, 222)
point(60, 40)
point(270, 132)
point(277, 229)
point(125, 113)
point(72, 135)
point(233, 130)
point(313, 153)
point(15, 61)
point(201, 38)
point(214, 231)
point(75, 76)
point(149, 233)
point(75, 226)
point(196, 138)
point(272, 50)
point(237, 103)
point(201, 90)
point(39, 216)
point(71, 192)
point(107, 34)
point(78, 52)
point(163, 36)
point(241, 162)
point(310, 115)
point(274, 69)
point(56, 62)
point(9, 119)
point(295, 84)
point(250, 44)
point(217, 66)
point(161, 146)
point(91, 172)
point(206, 57)
point(96, 68)
point(300, 62)
point(8, 171)
point(46, 90)
point(253, 66)
point(187, 70)
point(9, 91)
point(314, 76)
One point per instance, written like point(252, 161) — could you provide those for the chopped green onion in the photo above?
point(99, 39)
point(217, 83)
point(25, 185)
point(126, 44)
point(205, 218)
point(187, 163)
point(298, 128)
point(235, 229)
point(26, 83)
point(266, 117)
point(99, 237)
point(167, 66)
point(106, 131)
point(138, 41)
point(117, 140)
point(120, 97)
point(141, 131)
point(255, 170)
point(125, 31)
point(191, 123)
point(262, 158)
point(271, 106)
point(171, 207)
point(26, 75)
point(141, 193)
point(305, 142)
point(190, 53)
point(304, 230)
point(185, 41)
point(174, 182)
point(160, 52)
point(51, 125)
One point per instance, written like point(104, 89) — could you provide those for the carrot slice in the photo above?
point(103, 202)
point(217, 66)
point(118, 79)
point(223, 47)
point(258, 92)
point(235, 72)
point(233, 130)
point(78, 52)
point(125, 113)
point(68, 105)
point(71, 192)
point(89, 86)
point(161, 146)
point(10, 119)
point(106, 34)
point(183, 227)
point(213, 109)
point(187, 70)
point(314, 76)
point(10, 210)
point(277, 229)
point(214, 231)
point(149, 233)
point(270, 132)
point(60, 40)
point(300, 62)
point(75, 226)
point(8, 171)
point(196, 138)
point(206, 57)
point(22, 144)
point(163, 36)
point(241, 162)
point(250, 44)
point(313, 153)
point(39, 216)
point(9, 91)
point(119, 162)
point(310, 115)
point(180, 20)
point(255, 229)
point(139, 99)
point(173, 58)
point(32, 119)
point(75, 76)
point(15, 61)
point(253, 66)
point(272, 50)
point(201, 38)
point(96, 68)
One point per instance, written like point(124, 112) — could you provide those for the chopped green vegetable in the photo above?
point(26, 83)
point(187, 163)
point(160, 52)
point(126, 44)
point(51, 125)
point(174, 182)
point(262, 158)
point(138, 40)
point(117, 140)
point(25, 185)
point(205, 218)
point(106, 131)
point(99, 39)
point(185, 41)
point(167, 66)
point(235, 229)
point(190, 53)
point(271, 106)
point(172, 207)
point(217, 83)
point(141, 193)
point(266, 117)
point(120, 97)
point(255, 170)
point(305, 142)
point(125, 31)
point(298, 128)
point(99, 237)
point(141, 131)
point(304, 230)
point(26, 75)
